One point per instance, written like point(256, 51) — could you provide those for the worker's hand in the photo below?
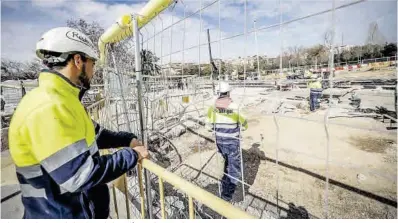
point(135, 143)
point(142, 152)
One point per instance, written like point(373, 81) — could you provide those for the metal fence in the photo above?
point(153, 105)
point(172, 37)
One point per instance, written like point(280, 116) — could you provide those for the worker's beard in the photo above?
point(84, 82)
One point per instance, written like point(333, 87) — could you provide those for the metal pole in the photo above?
point(23, 91)
point(219, 42)
point(258, 56)
point(280, 36)
point(171, 42)
point(170, 69)
point(326, 119)
point(183, 43)
point(166, 87)
point(275, 119)
point(244, 92)
point(219, 74)
point(277, 163)
point(154, 82)
point(200, 32)
point(128, 127)
point(211, 62)
point(138, 73)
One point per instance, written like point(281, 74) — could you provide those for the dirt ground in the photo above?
point(361, 168)
point(286, 170)
point(362, 73)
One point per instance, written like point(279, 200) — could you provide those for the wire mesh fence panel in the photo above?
point(318, 95)
point(268, 51)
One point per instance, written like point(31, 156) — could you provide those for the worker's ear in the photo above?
point(77, 61)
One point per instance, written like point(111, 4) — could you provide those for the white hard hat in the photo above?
point(223, 87)
point(65, 40)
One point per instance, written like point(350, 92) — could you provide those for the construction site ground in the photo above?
point(362, 164)
point(362, 167)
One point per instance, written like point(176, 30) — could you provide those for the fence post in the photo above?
point(138, 74)
point(3, 102)
point(23, 91)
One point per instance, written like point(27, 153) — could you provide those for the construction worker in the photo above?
point(226, 122)
point(54, 143)
point(307, 74)
point(315, 87)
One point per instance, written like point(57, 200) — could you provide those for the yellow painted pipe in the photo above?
point(115, 201)
point(141, 191)
point(215, 203)
point(191, 212)
point(123, 27)
point(127, 197)
point(161, 191)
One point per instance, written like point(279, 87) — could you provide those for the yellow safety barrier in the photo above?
point(194, 192)
point(380, 64)
point(123, 27)
point(185, 99)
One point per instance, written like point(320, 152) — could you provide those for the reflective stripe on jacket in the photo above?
point(225, 119)
point(53, 143)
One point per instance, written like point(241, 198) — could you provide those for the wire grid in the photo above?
point(163, 106)
point(245, 33)
point(163, 93)
point(11, 97)
point(12, 93)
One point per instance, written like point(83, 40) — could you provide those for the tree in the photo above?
point(223, 68)
point(191, 69)
point(14, 70)
point(297, 54)
point(372, 51)
point(316, 53)
point(122, 52)
point(389, 50)
point(346, 55)
point(356, 53)
point(228, 68)
point(287, 59)
point(149, 63)
point(205, 70)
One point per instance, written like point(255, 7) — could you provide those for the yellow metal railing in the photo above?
point(194, 192)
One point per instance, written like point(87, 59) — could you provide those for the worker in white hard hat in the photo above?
point(54, 143)
point(315, 87)
point(225, 119)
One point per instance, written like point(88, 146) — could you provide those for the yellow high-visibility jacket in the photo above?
point(225, 118)
point(315, 85)
point(54, 145)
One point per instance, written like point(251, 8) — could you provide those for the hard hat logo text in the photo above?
point(77, 37)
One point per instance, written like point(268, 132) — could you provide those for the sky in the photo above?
point(23, 22)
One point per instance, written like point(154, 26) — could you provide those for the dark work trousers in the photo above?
point(229, 149)
point(315, 94)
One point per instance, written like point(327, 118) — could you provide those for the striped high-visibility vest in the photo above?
point(226, 120)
